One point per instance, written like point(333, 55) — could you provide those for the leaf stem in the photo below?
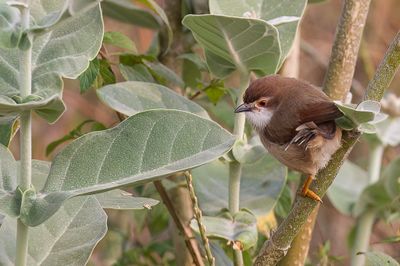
point(25, 83)
point(235, 168)
point(366, 219)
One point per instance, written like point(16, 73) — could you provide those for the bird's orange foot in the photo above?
point(306, 192)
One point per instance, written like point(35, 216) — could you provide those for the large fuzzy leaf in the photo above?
point(285, 15)
point(239, 229)
point(261, 184)
point(68, 238)
point(232, 43)
point(146, 146)
point(347, 187)
point(132, 97)
point(9, 205)
point(64, 50)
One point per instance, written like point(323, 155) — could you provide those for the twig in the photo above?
point(345, 48)
point(198, 215)
point(385, 72)
point(186, 232)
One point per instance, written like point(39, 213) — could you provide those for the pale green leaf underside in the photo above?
point(242, 228)
point(347, 187)
point(132, 97)
point(67, 238)
point(377, 258)
point(232, 43)
point(63, 51)
point(261, 184)
point(144, 147)
point(267, 10)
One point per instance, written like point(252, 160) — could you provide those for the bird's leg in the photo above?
point(307, 192)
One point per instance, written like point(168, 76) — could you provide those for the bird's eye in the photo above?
point(262, 103)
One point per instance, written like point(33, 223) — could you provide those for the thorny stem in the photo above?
point(198, 215)
point(25, 83)
point(366, 219)
point(235, 168)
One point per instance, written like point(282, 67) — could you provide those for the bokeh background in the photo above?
point(316, 36)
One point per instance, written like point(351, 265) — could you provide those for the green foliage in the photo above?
point(262, 183)
point(376, 258)
point(132, 97)
point(361, 117)
point(81, 222)
point(8, 127)
point(73, 134)
point(119, 39)
point(63, 50)
point(240, 229)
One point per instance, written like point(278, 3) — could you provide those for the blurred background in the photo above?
point(143, 237)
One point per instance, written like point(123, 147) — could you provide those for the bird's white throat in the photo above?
point(259, 119)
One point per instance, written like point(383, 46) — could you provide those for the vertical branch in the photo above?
point(345, 48)
point(366, 220)
point(235, 168)
point(24, 182)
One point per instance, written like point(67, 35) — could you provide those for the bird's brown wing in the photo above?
point(319, 112)
point(283, 128)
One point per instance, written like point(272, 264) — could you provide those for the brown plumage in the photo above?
point(295, 121)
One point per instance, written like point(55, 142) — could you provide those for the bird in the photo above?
point(295, 122)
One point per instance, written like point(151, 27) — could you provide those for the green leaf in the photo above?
point(138, 72)
point(215, 91)
point(10, 18)
point(261, 185)
point(283, 14)
point(195, 59)
point(64, 50)
point(160, 12)
point(119, 199)
point(120, 40)
point(232, 43)
point(347, 187)
point(106, 73)
point(391, 177)
point(125, 11)
point(144, 147)
point(132, 97)
point(374, 197)
point(388, 130)
point(221, 259)
point(248, 152)
point(362, 117)
point(241, 229)
point(113, 199)
point(8, 128)
point(191, 74)
point(376, 258)
point(163, 74)
point(68, 237)
point(284, 204)
point(9, 204)
point(87, 78)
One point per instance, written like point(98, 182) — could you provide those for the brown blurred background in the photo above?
point(317, 34)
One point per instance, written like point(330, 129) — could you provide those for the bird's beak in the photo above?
point(244, 107)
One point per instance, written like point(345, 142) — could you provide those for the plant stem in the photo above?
point(366, 219)
point(385, 72)
point(25, 83)
point(235, 168)
point(349, 31)
point(199, 216)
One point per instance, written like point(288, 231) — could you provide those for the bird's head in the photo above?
point(260, 101)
